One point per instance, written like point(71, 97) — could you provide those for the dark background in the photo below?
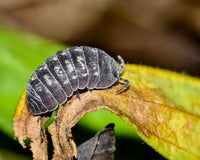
point(163, 33)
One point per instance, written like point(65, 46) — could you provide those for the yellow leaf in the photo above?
point(162, 106)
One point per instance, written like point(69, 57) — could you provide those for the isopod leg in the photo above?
point(122, 64)
point(125, 86)
point(77, 95)
point(39, 118)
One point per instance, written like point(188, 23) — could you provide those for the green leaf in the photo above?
point(20, 54)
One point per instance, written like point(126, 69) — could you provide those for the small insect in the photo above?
point(68, 71)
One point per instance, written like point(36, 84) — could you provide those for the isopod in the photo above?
point(68, 71)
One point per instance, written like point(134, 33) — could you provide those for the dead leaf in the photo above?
point(99, 147)
point(27, 126)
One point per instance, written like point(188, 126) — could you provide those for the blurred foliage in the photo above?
point(8, 155)
point(20, 54)
point(10, 149)
point(158, 33)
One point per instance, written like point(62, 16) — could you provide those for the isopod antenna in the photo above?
point(121, 64)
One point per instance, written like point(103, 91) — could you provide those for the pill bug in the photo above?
point(68, 71)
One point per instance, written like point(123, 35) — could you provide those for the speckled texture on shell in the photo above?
point(62, 74)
